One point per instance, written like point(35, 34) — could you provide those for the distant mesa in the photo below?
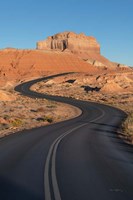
point(70, 41)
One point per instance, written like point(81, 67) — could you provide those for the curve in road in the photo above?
point(79, 159)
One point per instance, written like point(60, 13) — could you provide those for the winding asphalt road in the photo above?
point(78, 159)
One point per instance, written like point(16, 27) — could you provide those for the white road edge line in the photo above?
point(52, 152)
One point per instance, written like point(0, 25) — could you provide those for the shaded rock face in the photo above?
point(70, 41)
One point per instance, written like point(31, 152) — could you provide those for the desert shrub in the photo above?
point(67, 85)
point(40, 109)
point(6, 117)
point(51, 106)
point(32, 110)
point(130, 118)
point(11, 110)
point(39, 119)
point(48, 119)
point(16, 122)
point(45, 119)
point(4, 126)
point(103, 99)
point(48, 86)
point(128, 125)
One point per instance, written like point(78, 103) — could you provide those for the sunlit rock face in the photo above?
point(70, 41)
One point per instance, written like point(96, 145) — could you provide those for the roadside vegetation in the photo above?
point(26, 113)
point(128, 127)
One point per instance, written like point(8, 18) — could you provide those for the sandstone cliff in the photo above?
point(70, 41)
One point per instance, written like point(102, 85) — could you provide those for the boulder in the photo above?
point(111, 87)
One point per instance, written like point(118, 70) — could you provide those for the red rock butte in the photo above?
point(70, 41)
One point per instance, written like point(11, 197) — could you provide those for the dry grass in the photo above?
point(26, 113)
point(128, 127)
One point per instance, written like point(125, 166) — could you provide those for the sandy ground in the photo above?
point(22, 113)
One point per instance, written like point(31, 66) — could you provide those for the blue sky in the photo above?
point(24, 22)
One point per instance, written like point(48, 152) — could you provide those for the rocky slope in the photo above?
point(16, 65)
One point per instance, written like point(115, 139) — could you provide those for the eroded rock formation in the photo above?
point(70, 41)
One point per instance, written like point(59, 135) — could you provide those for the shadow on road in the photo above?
point(12, 191)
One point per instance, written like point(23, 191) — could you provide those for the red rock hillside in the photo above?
point(20, 64)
